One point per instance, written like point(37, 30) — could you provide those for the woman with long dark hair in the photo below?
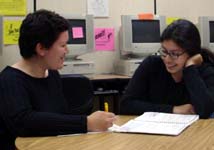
point(179, 80)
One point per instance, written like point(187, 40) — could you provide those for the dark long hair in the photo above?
point(186, 35)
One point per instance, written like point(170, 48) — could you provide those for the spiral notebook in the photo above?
point(157, 123)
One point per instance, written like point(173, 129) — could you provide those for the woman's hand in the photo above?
point(194, 60)
point(184, 109)
point(100, 121)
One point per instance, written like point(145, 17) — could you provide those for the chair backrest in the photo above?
point(78, 91)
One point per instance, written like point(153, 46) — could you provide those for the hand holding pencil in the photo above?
point(100, 121)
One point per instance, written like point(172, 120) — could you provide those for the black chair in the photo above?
point(78, 91)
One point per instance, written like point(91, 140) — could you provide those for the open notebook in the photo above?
point(157, 123)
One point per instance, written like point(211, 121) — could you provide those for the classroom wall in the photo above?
point(104, 61)
point(10, 53)
point(190, 9)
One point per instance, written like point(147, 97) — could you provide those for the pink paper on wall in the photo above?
point(77, 32)
point(104, 39)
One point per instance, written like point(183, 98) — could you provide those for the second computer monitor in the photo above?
point(140, 37)
point(81, 35)
point(206, 29)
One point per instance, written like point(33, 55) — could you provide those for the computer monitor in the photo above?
point(206, 29)
point(140, 38)
point(81, 35)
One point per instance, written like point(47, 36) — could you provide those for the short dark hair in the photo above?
point(42, 27)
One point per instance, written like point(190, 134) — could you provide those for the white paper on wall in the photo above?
point(98, 8)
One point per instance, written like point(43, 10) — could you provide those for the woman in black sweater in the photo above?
point(179, 80)
point(32, 102)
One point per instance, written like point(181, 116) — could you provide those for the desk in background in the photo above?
point(199, 136)
point(106, 88)
point(109, 88)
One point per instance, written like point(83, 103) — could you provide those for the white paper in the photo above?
point(167, 117)
point(98, 8)
point(157, 123)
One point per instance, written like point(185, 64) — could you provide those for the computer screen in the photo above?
point(75, 39)
point(206, 29)
point(145, 31)
point(140, 38)
point(81, 35)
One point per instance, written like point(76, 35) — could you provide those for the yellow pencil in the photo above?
point(106, 107)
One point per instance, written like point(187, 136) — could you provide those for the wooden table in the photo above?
point(199, 136)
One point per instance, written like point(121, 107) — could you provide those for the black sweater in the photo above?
point(36, 106)
point(152, 88)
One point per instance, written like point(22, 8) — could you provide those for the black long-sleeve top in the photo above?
point(152, 88)
point(36, 106)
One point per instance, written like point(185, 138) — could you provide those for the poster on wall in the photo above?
point(170, 20)
point(11, 31)
point(98, 8)
point(13, 7)
point(104, 39)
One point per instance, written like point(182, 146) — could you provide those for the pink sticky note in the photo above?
point(104, 39)
point(77, 32)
